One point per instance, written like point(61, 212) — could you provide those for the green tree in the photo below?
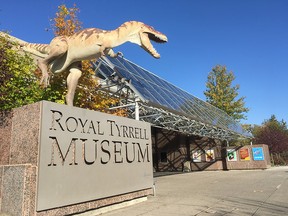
point(220, 93)
point(18, 84)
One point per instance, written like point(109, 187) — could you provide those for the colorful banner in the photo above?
point(244, 154)
point(196, 156)
point(258, 154)
point(231, 155)
point(210, 156)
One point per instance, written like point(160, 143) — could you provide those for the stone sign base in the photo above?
point(19, 168)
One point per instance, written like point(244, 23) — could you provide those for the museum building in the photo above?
point(188, 134)
point(45, 155)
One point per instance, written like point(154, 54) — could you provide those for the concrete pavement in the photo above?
point(252, 192)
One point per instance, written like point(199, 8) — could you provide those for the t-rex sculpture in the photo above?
point(65, 53)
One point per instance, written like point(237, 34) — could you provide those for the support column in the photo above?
point(156, 162)
point(188, 154)
point(137, 109)
point(224, 154)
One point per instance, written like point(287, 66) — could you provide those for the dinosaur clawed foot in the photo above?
point(120, 54)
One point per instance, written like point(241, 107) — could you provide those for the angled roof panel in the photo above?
point(160, 93)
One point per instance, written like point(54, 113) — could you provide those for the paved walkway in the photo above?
point(213, 193)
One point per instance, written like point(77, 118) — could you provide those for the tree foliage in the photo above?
point(274, 133)
point(66, 21)
point(220, 93)
point(18, 84)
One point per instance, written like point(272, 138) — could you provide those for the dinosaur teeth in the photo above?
point(146, 39)
point(157, 37)
point(154, 52)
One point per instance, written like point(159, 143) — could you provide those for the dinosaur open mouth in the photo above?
point(146, 44)
point(157, 39)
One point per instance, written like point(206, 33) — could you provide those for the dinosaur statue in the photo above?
point(66, 52)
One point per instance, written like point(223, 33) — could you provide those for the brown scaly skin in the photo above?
point(66, 52)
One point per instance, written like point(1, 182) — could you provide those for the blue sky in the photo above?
point(249, 37)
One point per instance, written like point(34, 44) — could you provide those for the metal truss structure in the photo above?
point(134, 100)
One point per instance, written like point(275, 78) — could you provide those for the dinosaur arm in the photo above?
point(112, 54)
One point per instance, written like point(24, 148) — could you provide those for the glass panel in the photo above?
point(165, 94)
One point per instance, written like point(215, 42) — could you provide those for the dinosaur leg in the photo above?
point(57, 49)
point(72, 81)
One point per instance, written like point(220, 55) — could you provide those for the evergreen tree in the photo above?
point(220, 93)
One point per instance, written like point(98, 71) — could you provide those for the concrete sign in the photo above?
point(87, 155)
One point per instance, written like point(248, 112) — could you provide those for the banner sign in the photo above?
point(244, 154)
point(210, 156)
point(231, 155)
point(258, 154)
point(196, 156)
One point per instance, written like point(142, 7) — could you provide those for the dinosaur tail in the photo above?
point(30, 47)
point(40, 50)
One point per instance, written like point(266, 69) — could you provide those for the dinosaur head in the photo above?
point(143, 34)
point(148, 34)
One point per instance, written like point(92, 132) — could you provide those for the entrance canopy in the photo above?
point(150, 98)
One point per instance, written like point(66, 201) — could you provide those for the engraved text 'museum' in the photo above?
point(83, 152)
